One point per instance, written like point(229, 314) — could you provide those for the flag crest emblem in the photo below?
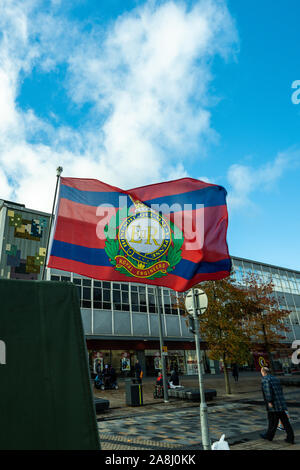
point(143, 244)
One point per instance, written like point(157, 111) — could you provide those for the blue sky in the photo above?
point(137, 92)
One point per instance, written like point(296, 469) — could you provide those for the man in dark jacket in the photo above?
point(138, 370)
point(235, 372)
point(276, 406)
point(174, 379)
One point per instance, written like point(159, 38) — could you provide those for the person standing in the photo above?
point(138, 370)
point(276, 406)
point(98, 368)
point(235, 372)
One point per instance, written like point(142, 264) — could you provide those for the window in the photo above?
point(97, 302)
point(86, 297)
point(134, 301)
point(152, 303)
point(167, 303)
point(116, 299)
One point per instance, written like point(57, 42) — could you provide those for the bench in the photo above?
point(101, 404)
point(192, 394)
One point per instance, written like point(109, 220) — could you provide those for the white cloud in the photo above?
point(146, 77)
point(245, 180)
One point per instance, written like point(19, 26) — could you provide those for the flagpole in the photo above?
point(59, 171)
point(163, 363)
point(203, 406)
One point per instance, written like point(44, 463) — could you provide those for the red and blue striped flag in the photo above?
point(170, 234)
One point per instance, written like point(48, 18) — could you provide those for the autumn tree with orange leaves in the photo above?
point(222, 326)
point(265, 318)
point(239, 318)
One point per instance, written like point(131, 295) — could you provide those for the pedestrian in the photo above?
point(98, 367)
point(113, 376)
point(159, 380)
point(174, 380)
point(275, 405)
point(106, 375)
point(235, 372)
point(138, 370)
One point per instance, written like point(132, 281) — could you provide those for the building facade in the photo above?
point(120, 319)
point(23, 241)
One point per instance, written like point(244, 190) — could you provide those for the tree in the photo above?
point(240, 317)
point(264, 315)
point(222, 326)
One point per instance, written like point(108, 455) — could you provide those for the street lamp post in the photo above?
point(196, 303)
point(161, 342)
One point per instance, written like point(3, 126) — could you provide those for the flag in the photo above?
point(171, 234)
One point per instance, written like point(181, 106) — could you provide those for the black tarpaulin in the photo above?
point(46, 399)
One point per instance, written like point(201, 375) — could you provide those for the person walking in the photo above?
point(275, 405)
point(235, 372)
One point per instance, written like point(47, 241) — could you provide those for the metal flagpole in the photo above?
point(59, 171)
point(203, 406)
point(163, 363)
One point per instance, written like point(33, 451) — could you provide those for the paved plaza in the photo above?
point(176, 425)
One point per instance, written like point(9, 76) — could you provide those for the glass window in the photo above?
point(97, 284)
point(79, 291)
point(116, 299)
point(116, 286)
point(55, 278)
point(77, 281)
point(86, 282)
point(86, 293)
point(151, 300)
point(106, 295)
point(106, 285)
point(98, 294)
point(125, 287)
point(65, 279)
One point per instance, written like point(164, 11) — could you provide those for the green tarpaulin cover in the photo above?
point(46, 398)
